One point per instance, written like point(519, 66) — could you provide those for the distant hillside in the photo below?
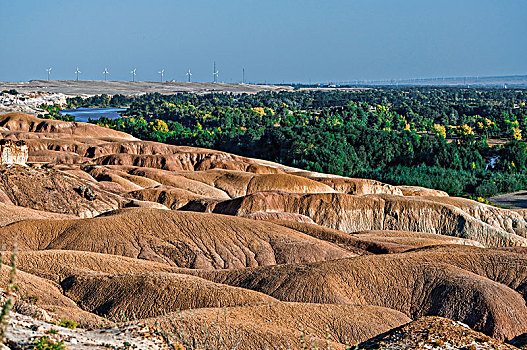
point(94, 87)
point(508, 81)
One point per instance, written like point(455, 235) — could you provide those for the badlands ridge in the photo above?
point(194, 242)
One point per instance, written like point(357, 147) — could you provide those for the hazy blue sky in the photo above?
point(275, 40)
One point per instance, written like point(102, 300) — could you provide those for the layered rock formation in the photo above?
point(456, 217)
point(13, 152)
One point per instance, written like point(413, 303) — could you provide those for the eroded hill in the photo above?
point(109, 227)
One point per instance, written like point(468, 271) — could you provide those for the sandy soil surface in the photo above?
point(23, 331)
point(93, 87)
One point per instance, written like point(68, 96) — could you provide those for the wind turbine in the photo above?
point(105, 73)
point(49, 71)
point(162, 72)
point(78, 72)
point(133, 74)
point(215, 73)
point(243, 75)
point(188, 75)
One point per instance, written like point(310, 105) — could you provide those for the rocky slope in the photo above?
point(433, 333)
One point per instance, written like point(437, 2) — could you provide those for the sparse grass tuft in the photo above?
point(44, 343)
point(68, 324)
point(483, 200)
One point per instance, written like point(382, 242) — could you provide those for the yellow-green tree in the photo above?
point(465, 130)
point(516, 133)
point(158, 126)
point(440, 130)
point(462, 130)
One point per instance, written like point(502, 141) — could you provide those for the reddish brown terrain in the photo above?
point(207, 249)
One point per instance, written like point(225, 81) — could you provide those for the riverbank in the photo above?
point(84, 114)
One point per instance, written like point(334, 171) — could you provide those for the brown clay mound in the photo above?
point(135, 203)
point(184, 239)
point(127, 181)
point(12, 213)
point(179, 181)
point(74, 170)
point(77, 145)
point(277, 217)
point(433, 333)
point(358, 186)
point(502, 266)
point(278, 325)
point(140, 147)
point(21, 122)
point(125, 184)
point(376, 242)
point(519, 250)
point(233, 183)
point(55, 191)
point(522, 212)
point(153, 294)
point(55, 157)
point(342, 239)
point(196, 159)
point(173, 198)
point(213, 183)
point(238, 183)
point(421, 191)
point(402, 282)
point(57, 265)
point(412, 239)
point(45, 295)
point(259, 168)
point(203, 158)
point(377, 212)
point(287, 183)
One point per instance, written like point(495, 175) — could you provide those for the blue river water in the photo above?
point(84, 114)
